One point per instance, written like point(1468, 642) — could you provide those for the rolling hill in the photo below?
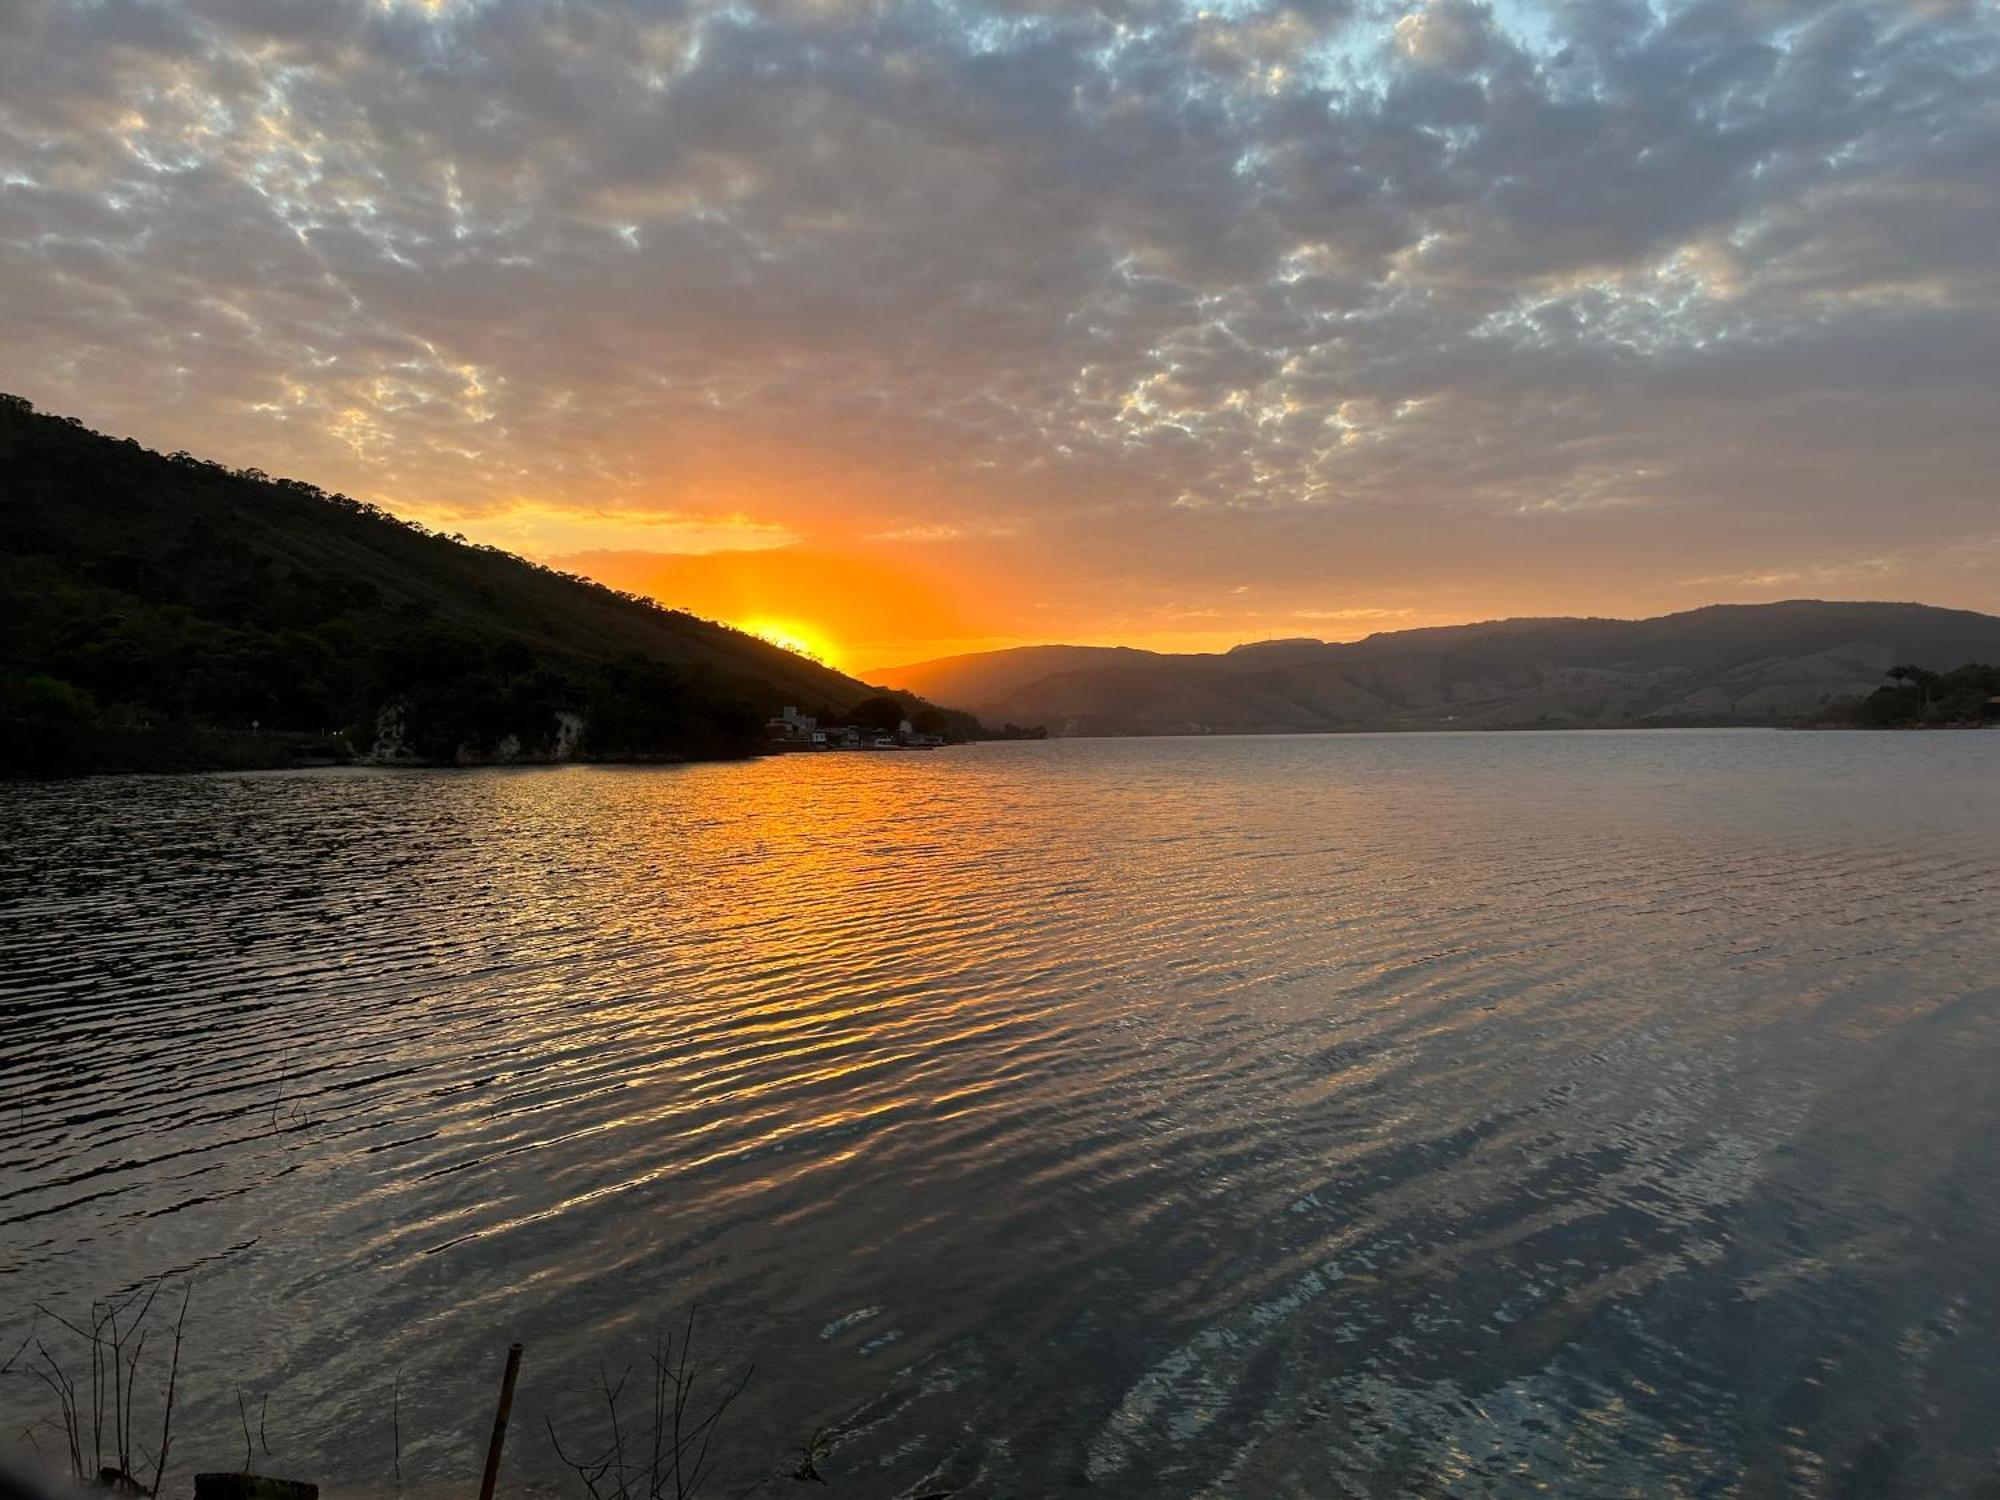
point(164, 611)
point(1723, 664)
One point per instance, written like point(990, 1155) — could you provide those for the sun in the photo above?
point(793, 635)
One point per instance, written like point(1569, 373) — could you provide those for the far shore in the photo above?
point(31, 754)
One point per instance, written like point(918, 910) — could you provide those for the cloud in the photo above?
point(1454, 35)
point(1588, 298)
point(541, 530)
point(1344, 616)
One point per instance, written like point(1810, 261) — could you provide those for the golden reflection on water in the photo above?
point(1280, 1116)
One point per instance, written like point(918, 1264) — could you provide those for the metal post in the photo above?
point(500, 1423)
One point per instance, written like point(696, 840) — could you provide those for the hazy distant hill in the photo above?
point(1744, 664)
point(990, 676)
point(148, 596)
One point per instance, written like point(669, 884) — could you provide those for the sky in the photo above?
point(899, 328)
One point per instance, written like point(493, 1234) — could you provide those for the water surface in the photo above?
point(1297, 1116)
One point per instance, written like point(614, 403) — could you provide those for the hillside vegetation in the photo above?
point(1726, 664)
point(165, 612)
point(1918, 698)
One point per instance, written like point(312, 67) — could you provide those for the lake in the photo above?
point(1373, 1115)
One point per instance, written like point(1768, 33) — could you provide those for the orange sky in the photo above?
point(901, 330)
point(861, 606)
point(850, 608)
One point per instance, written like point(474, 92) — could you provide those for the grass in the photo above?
point(96, 1387)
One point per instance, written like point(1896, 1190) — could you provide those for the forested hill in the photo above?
point(163, 610)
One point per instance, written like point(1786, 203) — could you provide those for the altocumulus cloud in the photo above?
point(1350, 299)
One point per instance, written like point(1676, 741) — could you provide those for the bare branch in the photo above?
point(173, 1378)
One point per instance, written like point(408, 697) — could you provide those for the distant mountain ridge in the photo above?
point(1721, 664)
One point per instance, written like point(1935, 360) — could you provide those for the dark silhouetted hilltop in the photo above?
point(165, 612)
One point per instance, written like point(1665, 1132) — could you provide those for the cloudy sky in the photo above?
point(908, 326)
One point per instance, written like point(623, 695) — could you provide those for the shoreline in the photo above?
point(34, 753)
point(223, 752)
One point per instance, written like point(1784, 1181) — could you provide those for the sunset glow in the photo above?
point(921, 328)
point(793, 635)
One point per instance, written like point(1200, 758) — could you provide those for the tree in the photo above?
point(1916, 677)
point(880, 712)
point(45, 700)
point(1968, 694)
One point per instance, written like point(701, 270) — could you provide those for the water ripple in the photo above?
point(1431, 1114)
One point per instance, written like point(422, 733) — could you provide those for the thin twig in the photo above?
point(8, 1366)
point(173, 1377)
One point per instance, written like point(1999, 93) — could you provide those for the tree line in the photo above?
point(1917, 697)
